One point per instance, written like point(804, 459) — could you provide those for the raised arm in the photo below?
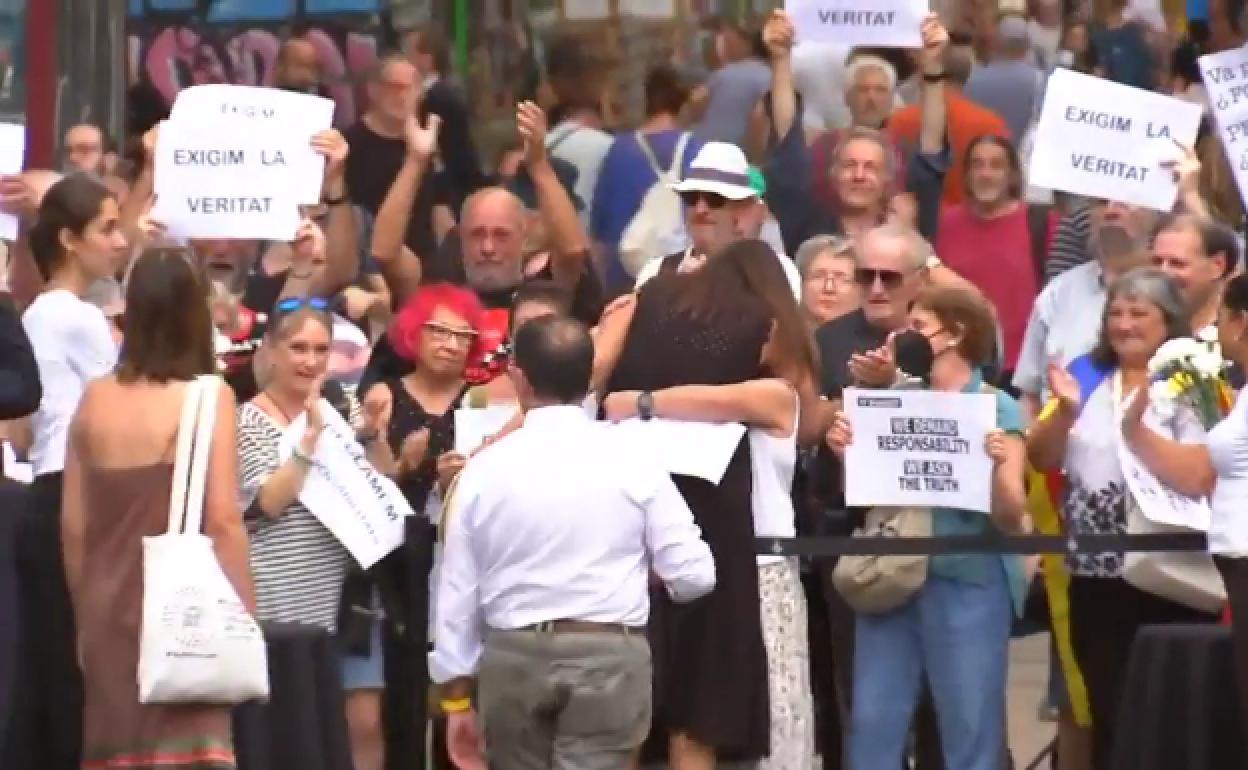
point(399, 266)
point(568, 240)
point(778, 37)
point(342, 257)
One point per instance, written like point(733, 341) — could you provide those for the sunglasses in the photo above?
point(713, 200)
point(889, 279)
point(292, 304)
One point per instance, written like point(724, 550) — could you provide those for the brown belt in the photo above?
point(581, 627)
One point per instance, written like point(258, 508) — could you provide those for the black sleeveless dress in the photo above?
point(710, 666)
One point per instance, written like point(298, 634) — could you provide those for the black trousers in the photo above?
point(13, 501)
point(1235, 577)
point(45, 731)
point(1105, 614)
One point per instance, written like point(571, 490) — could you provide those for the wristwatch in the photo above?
point(645, 405)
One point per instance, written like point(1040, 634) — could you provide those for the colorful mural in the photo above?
point(173, 44)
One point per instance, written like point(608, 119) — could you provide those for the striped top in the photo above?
point(297, 564)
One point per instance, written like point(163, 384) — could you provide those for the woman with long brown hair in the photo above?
point(117, 485)
point(770, 408)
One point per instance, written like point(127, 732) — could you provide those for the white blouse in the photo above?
point(1228, 449)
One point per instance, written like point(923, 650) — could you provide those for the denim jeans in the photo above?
point(957, 634)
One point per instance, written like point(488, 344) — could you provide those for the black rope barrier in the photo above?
point(990, 542)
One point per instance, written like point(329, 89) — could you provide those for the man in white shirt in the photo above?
point(543, 592)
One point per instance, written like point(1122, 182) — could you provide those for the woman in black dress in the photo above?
point(710, 665)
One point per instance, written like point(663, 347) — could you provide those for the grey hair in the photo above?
point(813, 248)
point(858, 63)
point(917, 248)
point(1153, 286)
point(857, 133)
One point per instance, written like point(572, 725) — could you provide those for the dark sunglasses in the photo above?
point(713, 200)
point(866, 278)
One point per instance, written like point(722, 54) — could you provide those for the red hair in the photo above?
point(405, 330)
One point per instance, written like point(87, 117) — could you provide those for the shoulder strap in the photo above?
point(1088, 374)
point(190, 469)
point(678, 156)
point(555, 141)
point(649, 153)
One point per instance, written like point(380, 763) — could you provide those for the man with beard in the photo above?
point(298, 68)
point(1066, 320)
point(501, 243)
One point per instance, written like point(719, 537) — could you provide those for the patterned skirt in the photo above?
point(783, 607)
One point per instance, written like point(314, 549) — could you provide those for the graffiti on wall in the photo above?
point(173, 44)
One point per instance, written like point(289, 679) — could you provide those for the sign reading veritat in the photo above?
point(893, 23)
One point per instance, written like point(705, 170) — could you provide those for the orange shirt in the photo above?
point(967, 120)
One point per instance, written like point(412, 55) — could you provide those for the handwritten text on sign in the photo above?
point(919, 448)
point(892, 23)
point(1226, 81)
point(361, 507)
point(1106, 140)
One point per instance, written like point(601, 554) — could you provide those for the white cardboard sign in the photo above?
point(1105, 140)
point(361, 507)
point(893, 23)
point(1226, 81)
point(919, 448)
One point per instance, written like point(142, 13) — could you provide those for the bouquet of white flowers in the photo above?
point(1190, 370)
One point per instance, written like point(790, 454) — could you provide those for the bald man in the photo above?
point(298, 67)
point(84, 149)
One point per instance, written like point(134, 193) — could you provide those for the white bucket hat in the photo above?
point(718, 168)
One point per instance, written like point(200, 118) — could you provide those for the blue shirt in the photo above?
point(623, 182)
point(978, 568)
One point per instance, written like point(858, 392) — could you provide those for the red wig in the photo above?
point(405, 330)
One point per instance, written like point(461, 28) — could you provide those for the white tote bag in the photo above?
point(198, 643)
point(1186, 577)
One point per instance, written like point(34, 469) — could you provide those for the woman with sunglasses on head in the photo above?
point(118, 479)
point(954, 632)
point(409, 427)
point(76, 240)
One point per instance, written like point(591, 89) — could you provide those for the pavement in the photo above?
point(1029, 681)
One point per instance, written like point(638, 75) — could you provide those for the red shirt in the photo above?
point(995, 256)
point(966, 121)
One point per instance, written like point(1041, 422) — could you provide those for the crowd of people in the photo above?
point(799, 223)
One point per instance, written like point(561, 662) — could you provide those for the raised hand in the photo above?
point(422, 141)
point(531, 124)
point(1065, 388)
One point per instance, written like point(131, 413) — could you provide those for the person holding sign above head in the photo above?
point(956, 628)
point(1082, 432)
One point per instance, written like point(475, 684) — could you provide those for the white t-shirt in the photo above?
point(585, 148)
point(73, 345)
point(651, 269)
point(1228, 450)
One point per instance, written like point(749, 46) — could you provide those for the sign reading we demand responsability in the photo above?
point(893, 23)
point(1105, 140)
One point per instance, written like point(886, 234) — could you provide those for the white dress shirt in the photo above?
point(560, 520)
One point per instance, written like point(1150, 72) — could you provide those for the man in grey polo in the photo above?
point(543, 592)
point(1066, 320)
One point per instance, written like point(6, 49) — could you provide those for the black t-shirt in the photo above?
point(373, 164)
point(587, 303)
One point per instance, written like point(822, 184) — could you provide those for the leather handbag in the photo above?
point(878, 583)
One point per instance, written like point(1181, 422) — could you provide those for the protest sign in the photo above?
point(212, 185)
point(893, 23)
point(1159, 503)
point(239, 109)
point(473, 426)
point(12, 156)
point(919, 448)
point(1226, 82)
point(358, 505)
point(1105, 140)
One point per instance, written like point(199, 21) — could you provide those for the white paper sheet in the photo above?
point(919, 448)
point(1105, 140)
point(893, 23)
point(361, 507)
point(12, 156)
point(698, 449)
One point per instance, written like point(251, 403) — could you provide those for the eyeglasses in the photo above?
point(713, 200)
point(835, 279)
point(889, 279)
point(443, 333)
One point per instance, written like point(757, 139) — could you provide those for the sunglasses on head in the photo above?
point(291, 304)
point(866, 277)
point(713, 200)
